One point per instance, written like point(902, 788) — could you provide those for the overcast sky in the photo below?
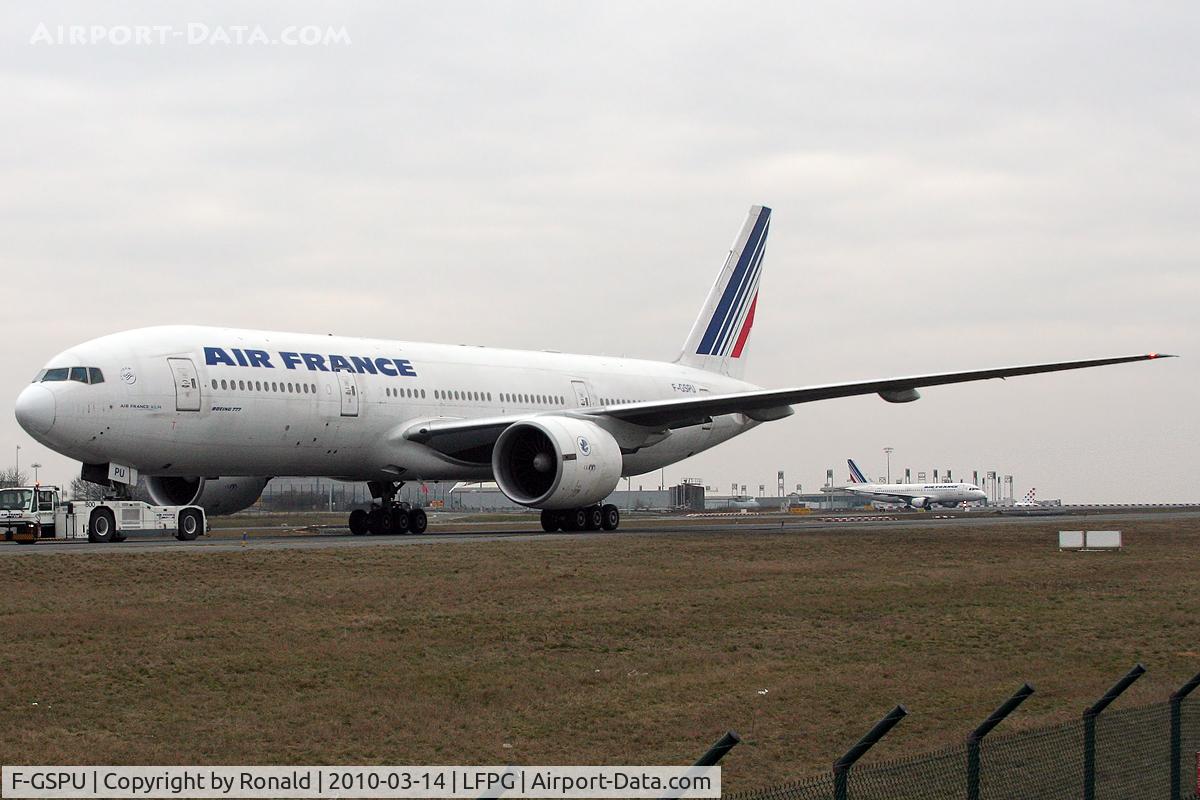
point(955, 185)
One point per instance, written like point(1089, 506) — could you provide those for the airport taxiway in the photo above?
point(264, 540)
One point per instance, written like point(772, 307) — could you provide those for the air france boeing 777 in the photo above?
point(209, 415)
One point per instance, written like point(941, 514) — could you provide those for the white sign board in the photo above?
point(1108, 540)
point(1070, 540)
point(119, 473)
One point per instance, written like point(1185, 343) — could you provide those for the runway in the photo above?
point(340, 538)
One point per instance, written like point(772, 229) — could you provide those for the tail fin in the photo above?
point(717, 342)
point(856, 474)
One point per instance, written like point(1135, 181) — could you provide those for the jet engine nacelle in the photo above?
point(556, 463)
point(214, 495)
point(919, 502)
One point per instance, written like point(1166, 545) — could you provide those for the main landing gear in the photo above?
point(388, 516)
point(591, 518)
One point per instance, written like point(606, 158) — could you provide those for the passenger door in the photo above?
point(187, 385)
point(349, 390)
point(708, 425)
point(582, 396)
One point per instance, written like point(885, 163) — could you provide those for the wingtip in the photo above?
point(1161, 355)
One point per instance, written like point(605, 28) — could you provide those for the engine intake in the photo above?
point(215, 495)
point(556, 463)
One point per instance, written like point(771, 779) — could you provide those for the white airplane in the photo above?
point(188, 407)
point(914, 495)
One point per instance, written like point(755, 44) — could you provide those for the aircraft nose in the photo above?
point(35, 409)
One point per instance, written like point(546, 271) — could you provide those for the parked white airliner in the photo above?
point(188, 407)
point(914, 495)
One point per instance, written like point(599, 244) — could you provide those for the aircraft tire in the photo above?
point(417, 521)
point(358, 522)
point(550, 521)
point(101, 525)
point(386, 523)
point(610, 517)
point(575, 519)
point(594, 518)
point(400, 520)
point(189, 525)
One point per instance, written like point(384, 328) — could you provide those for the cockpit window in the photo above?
point(78, 374)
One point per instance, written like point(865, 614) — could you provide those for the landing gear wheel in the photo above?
point(189, 525)
point(550, 521)
point(574, 520)
point(594, 519)
point(400, 520)
point(387, 522)
point(417, 521)
point(373, 524)
point(358, 522)
point(610, 517)
point(101, 525)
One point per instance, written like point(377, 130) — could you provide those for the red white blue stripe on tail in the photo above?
point(731, 320)
point(718, 340)
point(856, 474)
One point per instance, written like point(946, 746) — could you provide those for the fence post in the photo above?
point(985, 727)
point(718, 750)
point(841, 767)
point(1177, 698)
point(1089, 728)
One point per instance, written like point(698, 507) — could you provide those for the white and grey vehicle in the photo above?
point(114, 520)
point(28, 510)
point(209, 415)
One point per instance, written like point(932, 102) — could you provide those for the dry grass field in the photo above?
point(621, 649)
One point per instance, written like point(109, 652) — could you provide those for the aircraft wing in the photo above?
point(458, 437)
point(771, 403)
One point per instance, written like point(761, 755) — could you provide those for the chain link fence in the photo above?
point(1137, 753)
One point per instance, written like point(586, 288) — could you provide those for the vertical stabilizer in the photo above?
point(856, 474)
point(718, 341)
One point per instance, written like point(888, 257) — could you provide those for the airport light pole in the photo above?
point(36, 466)
point(887, 452)
point(17, 468)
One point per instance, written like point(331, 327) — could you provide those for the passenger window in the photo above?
point(95, 375)
point(79, 374)
point(214, 383)
point(223, 385)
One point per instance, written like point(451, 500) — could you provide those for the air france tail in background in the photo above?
point(719, 336)
point(856, 474)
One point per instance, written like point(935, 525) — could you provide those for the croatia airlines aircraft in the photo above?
point(209, 415)
point(914, 495)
